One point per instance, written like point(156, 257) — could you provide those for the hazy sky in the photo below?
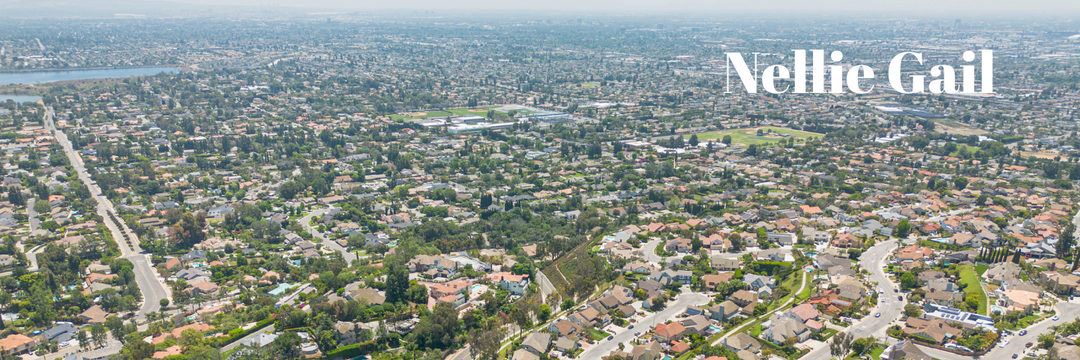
point(957, 7)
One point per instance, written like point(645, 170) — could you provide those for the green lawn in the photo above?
point(756, 331)
point(749, 136)
point(876, 352)
point(478, 111)
point(981, 269)
point(970, 279)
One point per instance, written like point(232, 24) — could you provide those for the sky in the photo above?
point(959, 7)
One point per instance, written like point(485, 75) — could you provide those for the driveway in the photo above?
point(677, 306)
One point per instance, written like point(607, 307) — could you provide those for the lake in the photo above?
point(19, 98)
point(39, 77)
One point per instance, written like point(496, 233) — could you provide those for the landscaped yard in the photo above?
point(981, 269)
point(598, 335)
point(749, 136)
point(756, 330)
point(969, 279)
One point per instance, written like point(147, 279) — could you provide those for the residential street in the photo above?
point(306, 223)
point(890, 308)
point(674, 307)
point(152, 287)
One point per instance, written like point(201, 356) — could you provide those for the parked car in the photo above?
point(610, 337)
point(1023, 332)
point(1055, 318)
point(1003, 343)
point(1029, 344)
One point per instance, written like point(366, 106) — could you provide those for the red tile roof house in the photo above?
point(669, 332)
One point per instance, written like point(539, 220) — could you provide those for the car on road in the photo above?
point(880, 291)
point(631, 326)
point(895, 290)
point(877, 315)
point(1003, 343)
point(901, 298)
point(637, 333)
point(1015, 356)
point(1055, 318)
point(610, 337)
point(1023, 332)
point(1029, 344)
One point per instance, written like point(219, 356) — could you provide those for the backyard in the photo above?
point(969, 280)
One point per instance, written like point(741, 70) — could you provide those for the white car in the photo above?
point(1003, 343)
point(1055, 318)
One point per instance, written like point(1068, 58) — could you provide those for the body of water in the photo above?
point(19, 98)
point(39, 77)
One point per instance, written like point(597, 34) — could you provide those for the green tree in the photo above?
point(861, 344)
point(902, 229)
point(912, 310)
point(137, 350)
point(960, 182)
point(84, 340)
point(909, 281)
point(115, 326)
point(545, 312)
point(42, 207)
point(438, 330)
point(98, 335)
point(693, 140)
point(397, 283)
point(727, 140)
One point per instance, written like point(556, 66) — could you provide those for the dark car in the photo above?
point(631, 326)
point(610, 337)
point(1016, 356)
point(901, 298)
point(895, 290)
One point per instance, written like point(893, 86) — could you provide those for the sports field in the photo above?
point(479, 111)
point(771, 134)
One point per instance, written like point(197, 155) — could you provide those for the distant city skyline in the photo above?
point(731, 8)
point(915, 6)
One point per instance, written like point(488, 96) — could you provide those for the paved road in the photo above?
point(32, 214)
point(306, 223)
point(782, 307)
point(889, 307)
point(152, 288)
point(674, 307)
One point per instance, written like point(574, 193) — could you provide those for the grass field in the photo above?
point(970, 280)
point(440, 113)
point(749, 136)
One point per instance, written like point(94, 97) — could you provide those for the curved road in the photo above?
point(782, 307)
point(873, 260)
point(306, 223)
point(674, 307)
point(152, 288)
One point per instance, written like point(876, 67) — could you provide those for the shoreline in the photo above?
point(17, 71)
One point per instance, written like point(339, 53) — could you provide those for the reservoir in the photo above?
point(19, 98)
point(39, 77)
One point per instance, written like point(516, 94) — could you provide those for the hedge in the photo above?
point(236, 336)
